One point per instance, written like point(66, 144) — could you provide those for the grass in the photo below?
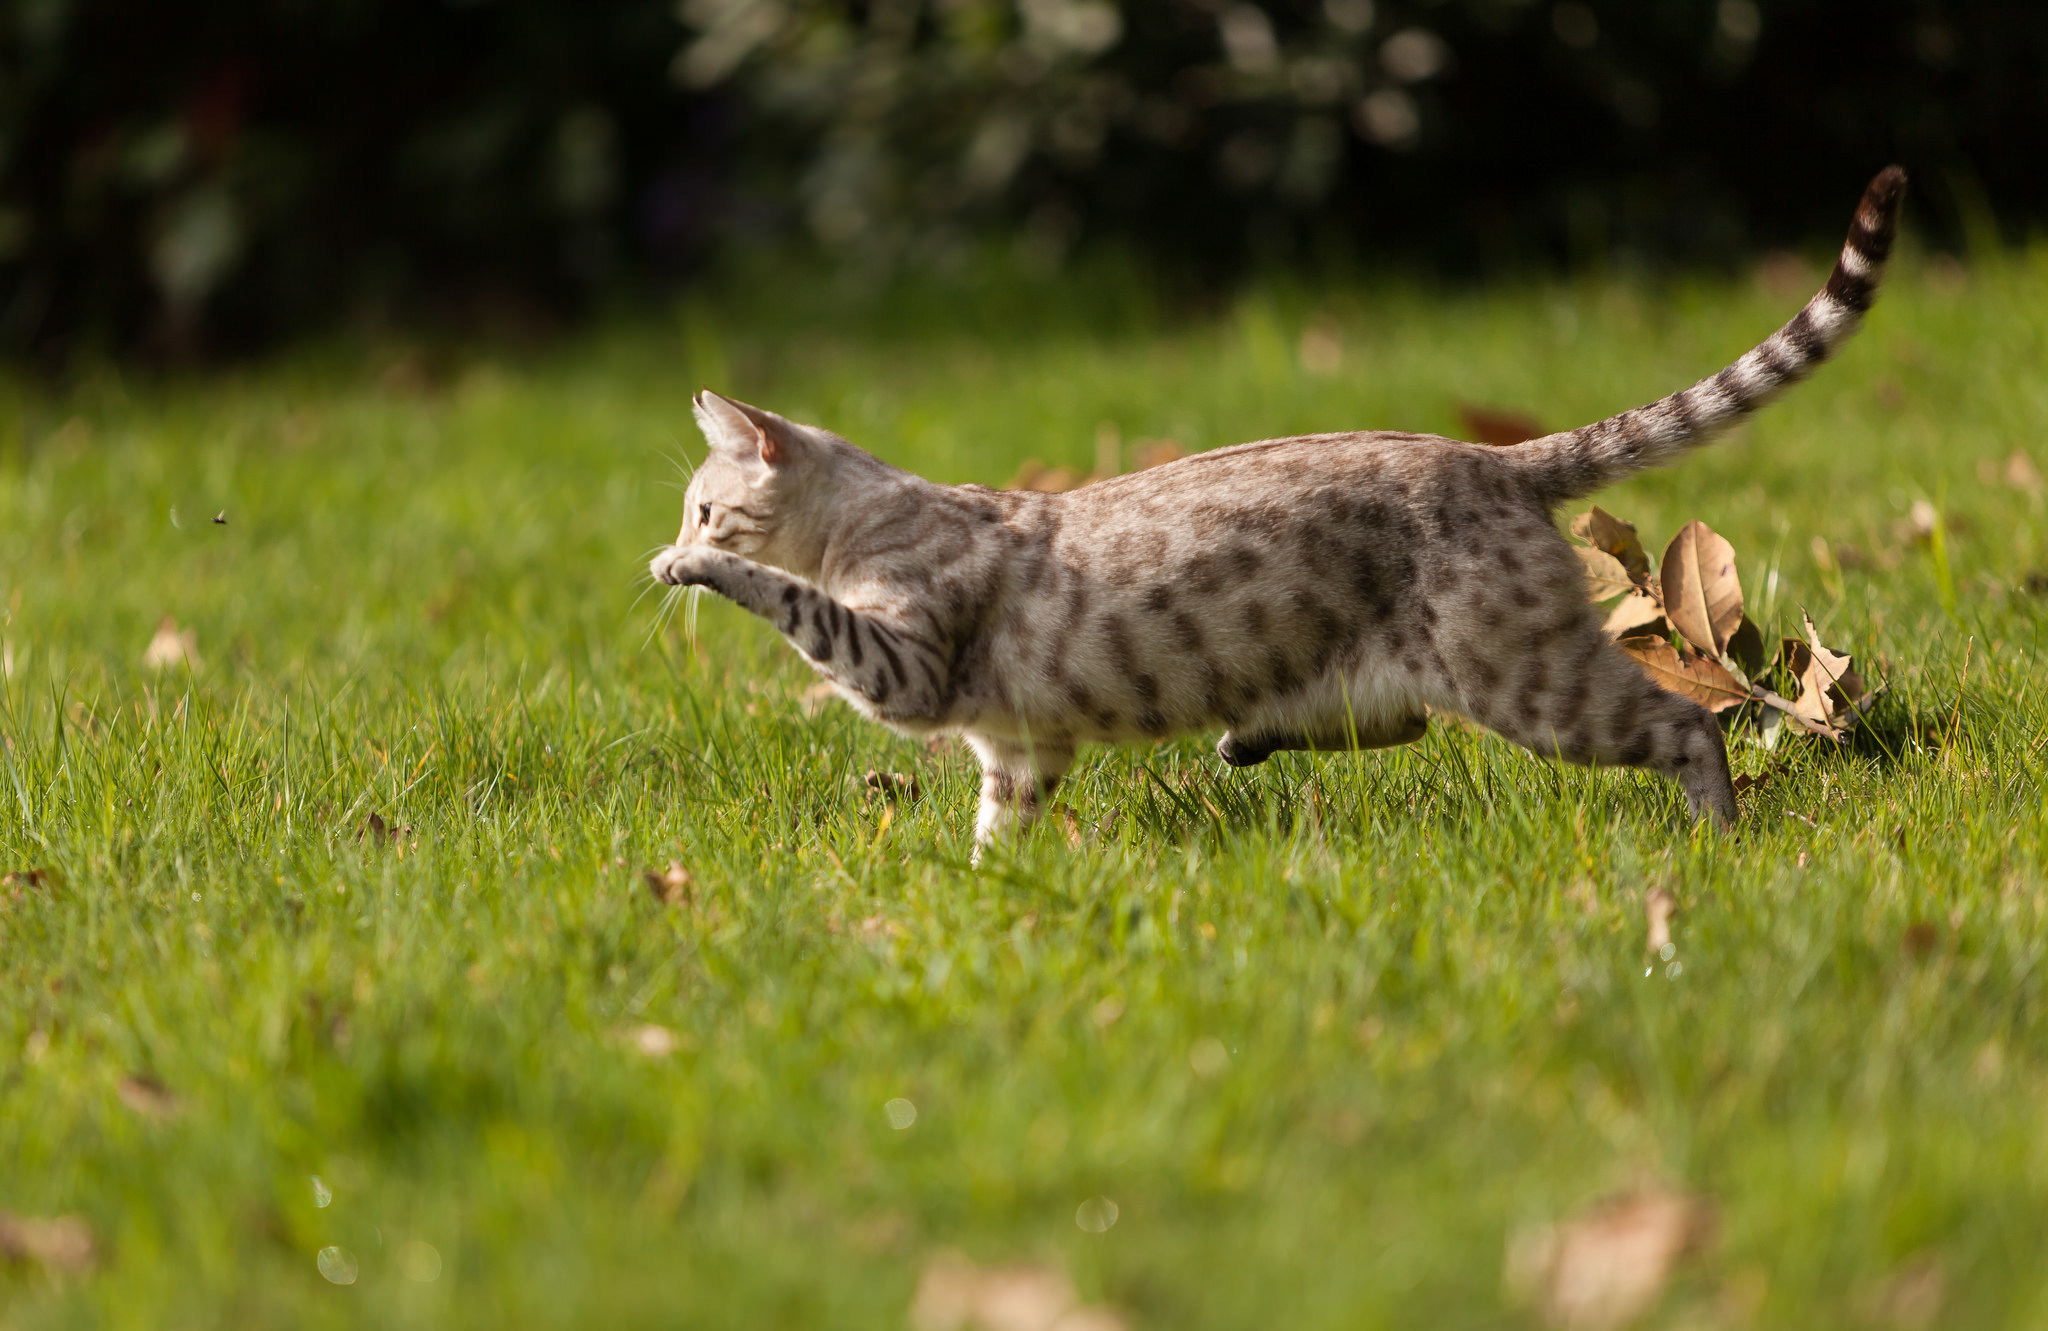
point(1328, 1032)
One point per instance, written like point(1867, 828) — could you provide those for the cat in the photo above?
point(1323, 592)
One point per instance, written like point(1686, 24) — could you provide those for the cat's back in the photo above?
point(1288, 488)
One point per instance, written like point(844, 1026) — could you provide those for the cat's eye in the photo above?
point(703, 515)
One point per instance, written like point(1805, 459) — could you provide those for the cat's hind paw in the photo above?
point(1240, 752)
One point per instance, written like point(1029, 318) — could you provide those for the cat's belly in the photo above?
point(1133, 673)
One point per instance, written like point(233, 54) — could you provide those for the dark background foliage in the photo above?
point(188, 179)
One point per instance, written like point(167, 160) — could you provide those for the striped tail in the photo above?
point(1579, 462)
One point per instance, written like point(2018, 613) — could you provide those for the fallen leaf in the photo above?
point(1605, 577)
point(60, 1243)
point(1607, 1267)
point(1921, 520)
point(1910, 1297)
point(653, 1041)
point(1830, 692)
point(2021, 474)
point(375, 829)
point(1689, 675)
point(1746, 647)
point(1637, 615)
point(1790, 712)
point(1702, 594)
point(1603, 531)
point(956, 1294)
point(147, 1096)
point(893, 785)
point(1321, 350)
point(171, 647)
point(1497, 428)
point(814, 699)
point(1783, 275)
point(1150, 453)
point(1035, 475)
point(670, 886)
point(1658, 908)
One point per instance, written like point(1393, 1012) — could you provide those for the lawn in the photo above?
point(337, 937)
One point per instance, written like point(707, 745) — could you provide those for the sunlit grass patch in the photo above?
point(357, 891)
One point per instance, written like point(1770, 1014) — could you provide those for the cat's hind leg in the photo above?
point(1597, 707)
point(1016, 780)
point(1257, 745)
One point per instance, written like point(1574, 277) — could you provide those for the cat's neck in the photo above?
point(846, 497)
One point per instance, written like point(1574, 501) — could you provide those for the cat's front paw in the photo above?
point(685, 565)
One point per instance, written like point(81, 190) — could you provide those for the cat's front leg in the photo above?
point(900, 673)
point(1016, 780)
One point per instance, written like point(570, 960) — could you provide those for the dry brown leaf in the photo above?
point(1605, 577)
point(1702, 594)
point(171, 647)
point(1831, 693)
point(1497, 428)
point(1603, 531)
point(1607, 1267)
point(879, 928)
point(1035, 475)
point(375, 829)
point(1636, 615)
point(1090, 1317)
point(1149, 453)
point(1658, 908)
point(59, 1243)
point(956, 1294)
point(1791, 711)
point(1909, 1298)
point(652, 1040)
point(1321, 350)
point(893, 785)
point(26, 878)
point(1920, 938)
point(147, 1096)
point(670, 886)
point(1746, 647)
point(2021, 473)
point(814, 699)
point(1700, 678)
point(1784, 276)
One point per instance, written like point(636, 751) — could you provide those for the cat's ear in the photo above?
point(749, 432)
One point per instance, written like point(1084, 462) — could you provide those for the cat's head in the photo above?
point(761, 490)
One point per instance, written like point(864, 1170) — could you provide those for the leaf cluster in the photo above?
point(1684, 623)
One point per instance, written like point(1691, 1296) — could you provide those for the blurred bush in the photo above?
point(189, 178)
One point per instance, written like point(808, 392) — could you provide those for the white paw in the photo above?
point(678, 565)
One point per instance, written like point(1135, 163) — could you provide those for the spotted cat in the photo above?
point(1318, 592)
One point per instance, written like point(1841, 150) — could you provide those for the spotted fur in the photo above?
point(1318, 592)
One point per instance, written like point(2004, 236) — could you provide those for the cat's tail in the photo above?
point(1579, 462)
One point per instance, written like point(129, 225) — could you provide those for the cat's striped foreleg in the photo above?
point(897, 671)
point(1016, 780)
